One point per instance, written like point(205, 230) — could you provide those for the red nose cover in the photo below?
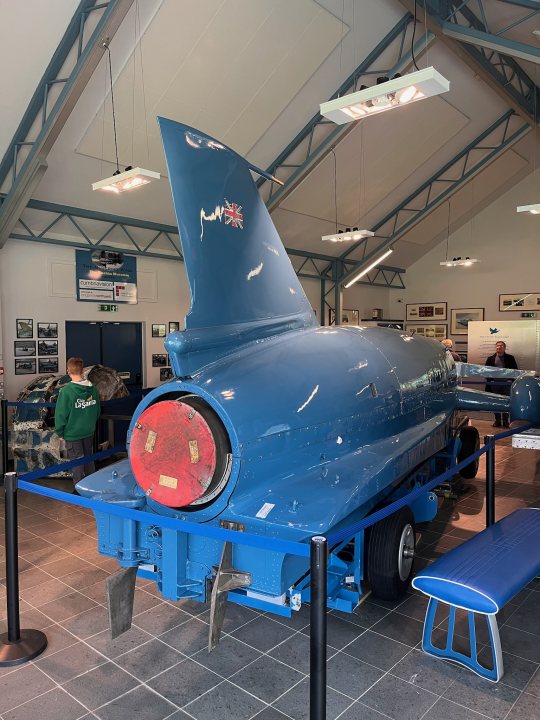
point(172, 453)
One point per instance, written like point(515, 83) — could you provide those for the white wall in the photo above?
point(38, 281)
point(508, 247)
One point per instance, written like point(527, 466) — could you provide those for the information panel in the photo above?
point(522, 338)
point(106, 276)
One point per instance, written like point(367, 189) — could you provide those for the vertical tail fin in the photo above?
point(238, 271)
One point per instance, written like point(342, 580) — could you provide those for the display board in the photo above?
point(106, 276)
point(522, 338)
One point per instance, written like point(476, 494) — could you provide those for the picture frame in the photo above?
point(47, 330)
point(159, 360)
point(519, 302)
point(165, 374)
point(48, 365)
point(434, 331)
point(461, 317)
point(24, 348)
point(159, 330)
point(348, 317)
point(25, 328)
point(418, 312)
point(26, 366)
point(47, 347)
point(174, 326)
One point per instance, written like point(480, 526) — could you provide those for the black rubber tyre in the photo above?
point(470, 443)
point(389, 570)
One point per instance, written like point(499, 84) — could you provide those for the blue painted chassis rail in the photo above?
point(298, 549)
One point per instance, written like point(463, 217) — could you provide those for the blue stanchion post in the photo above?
point(16, 646)
point(317, 647)
point(490, 480)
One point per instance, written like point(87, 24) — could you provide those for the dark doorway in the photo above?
point(114, 344)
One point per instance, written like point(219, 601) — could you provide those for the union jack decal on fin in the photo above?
point(233, 215)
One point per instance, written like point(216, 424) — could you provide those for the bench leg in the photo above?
point(449, 653)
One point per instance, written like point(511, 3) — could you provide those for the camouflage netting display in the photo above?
point(34, 443)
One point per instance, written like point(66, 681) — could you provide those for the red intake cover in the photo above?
point(172, 453)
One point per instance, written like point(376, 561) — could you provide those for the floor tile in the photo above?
point(80, 579)
point(294, 652)
point(53, 705)
point(398, 699)
point(339, 632)
point(189, 638)
point(225, 701)
point(266, 678)
point(533, 687)
point(100, 685)
point(160, 618)
point(263, 633)
point(526, 708)
point(140, 703)
point(47, 592)
point(359, 711)
point(67, 606)
point(57, 639)
point(365, 615)
point(426, 672)
point(517, 671)
point(22, 685)
point(228, 657)
point(377, 650)
point(269, 713)
point(401, 628)
point(66, 664)
point(128, 640)
point(295, 703)
point(184, 682)
point(236, 616)
point(65, 566)
point(520, 643)
point(150, 659)
point(446, 710)
point(475, 693)
point(88, 623)
point(351, 676)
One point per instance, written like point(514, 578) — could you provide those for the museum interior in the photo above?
point(270, 360)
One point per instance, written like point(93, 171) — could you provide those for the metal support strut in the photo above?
point(317, 647)
point(5, 435)
point(16, 646)
point(490, 480)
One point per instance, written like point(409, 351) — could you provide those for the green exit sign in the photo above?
point(108, 308)
point(529, 314)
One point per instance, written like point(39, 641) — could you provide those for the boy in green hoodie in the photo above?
point(76, 414)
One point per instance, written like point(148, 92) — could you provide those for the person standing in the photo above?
point(76, 414)
point(504, 360)
point(449, 345)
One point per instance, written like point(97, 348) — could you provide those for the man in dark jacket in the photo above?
point(76, 414)
point(501, 359)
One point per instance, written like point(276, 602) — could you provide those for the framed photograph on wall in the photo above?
point(174, 326)
point(461, 317)
point(519, 302)
point(25, 367)
point(48, 365)
point(165, 374)
point(25, 328)
point(47, 347)
point(426, 311)
point(25, 348)
point(159, 330)
point(348, 317)
point(47, 330)
point(436, 332)
point(159, 360)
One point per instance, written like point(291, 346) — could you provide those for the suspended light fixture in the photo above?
point(131, 177)
point(532, 209)
point(460, 262)
point(348, 235)
point(365, 270)
point(387, 94)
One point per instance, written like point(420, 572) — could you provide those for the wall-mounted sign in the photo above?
point(108, 308)
point(106, 276)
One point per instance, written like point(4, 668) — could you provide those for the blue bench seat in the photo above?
point(481, 576)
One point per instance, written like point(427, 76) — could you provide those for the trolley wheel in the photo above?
point(390, 555)
point(470, 443)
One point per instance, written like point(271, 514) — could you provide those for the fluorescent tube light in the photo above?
point(457, 262)
point(127, 180)
point(348, 235)
point(533, 209)
point(400, 91)
point(365, 270)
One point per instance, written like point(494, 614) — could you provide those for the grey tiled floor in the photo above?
point(160, 668)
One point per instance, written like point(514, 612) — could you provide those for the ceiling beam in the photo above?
point(493, 42)
point(501, 72)
point(89, 55)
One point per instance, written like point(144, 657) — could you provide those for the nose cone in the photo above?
point(525, 400)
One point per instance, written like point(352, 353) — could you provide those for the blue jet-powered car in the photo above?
point(274, 425)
